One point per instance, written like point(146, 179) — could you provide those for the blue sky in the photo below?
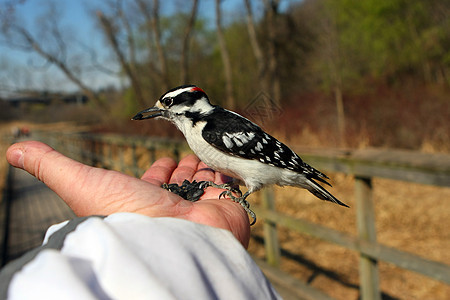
point(19, 69)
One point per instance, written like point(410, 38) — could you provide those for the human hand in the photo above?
point(95, 191)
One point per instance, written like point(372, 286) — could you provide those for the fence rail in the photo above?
point(364, 165)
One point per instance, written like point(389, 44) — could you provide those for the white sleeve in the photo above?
point(131, 256)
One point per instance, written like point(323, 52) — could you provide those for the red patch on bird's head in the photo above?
point(196, 89)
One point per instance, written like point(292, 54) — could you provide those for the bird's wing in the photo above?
point(238, 136)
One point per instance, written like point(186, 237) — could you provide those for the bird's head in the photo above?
point(178, 103)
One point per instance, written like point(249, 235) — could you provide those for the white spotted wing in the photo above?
point(238, 136)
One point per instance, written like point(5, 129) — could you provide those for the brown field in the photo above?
point(410, 217)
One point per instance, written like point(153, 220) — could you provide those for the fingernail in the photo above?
point(16, 157)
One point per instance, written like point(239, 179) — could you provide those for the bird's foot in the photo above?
point(192, 191)
point(226, 186)
point(241, 200)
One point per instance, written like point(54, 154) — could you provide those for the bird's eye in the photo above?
point(167, 101)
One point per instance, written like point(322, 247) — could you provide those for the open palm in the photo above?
point(95, 191)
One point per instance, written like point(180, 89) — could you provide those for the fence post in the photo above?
point(152, 154)
point(121, 153)
point(176, 153)
point(365, 217)
point(109, 155)
point(271, 243)
point(134, 163)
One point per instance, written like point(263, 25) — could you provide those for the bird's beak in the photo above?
point(152, 112)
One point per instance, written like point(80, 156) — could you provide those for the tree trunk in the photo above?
point(273, 75)
point(331, 47)
point(256, 47)
point(152, 23)
point(184, 65)
point(225, 59)
point(161, 55)
point(130, 40)
point(340, 114)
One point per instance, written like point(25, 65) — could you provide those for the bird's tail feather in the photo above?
point(321, 193)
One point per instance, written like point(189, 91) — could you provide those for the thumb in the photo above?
point(77, 184)
point(35, 157)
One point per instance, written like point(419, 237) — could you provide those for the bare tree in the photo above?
point(271, 7)
point(131, 44)
point(231, 103)
point(161, 54)
point(7, 12)
point(152, 21)
point(51, 47)
point(184, 76)
point(268, 75)
point(150, 70)
point(123, 27)
point(329, 46)
point(256, 47)
point(128, 68)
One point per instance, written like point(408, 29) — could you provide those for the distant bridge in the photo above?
point(46, 99)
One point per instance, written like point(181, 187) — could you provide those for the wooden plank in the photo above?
point(121, 159)
point(432, 269)
point(365, 216)
point(403, 165)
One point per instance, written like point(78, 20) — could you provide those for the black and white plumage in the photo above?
point(233, 145)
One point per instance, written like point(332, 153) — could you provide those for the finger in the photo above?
point(160, 171)
point(206, 173)
point(203, 172)
point(85, 189)
point(35, 157)
point(232, 217)
point(185, 170)
point(220, 178)
point(49, 166)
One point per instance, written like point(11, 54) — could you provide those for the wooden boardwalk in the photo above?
point(32, 208)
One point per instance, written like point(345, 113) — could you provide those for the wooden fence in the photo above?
point(364, 165)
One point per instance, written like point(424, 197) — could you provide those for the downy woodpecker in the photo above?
point(233, 145)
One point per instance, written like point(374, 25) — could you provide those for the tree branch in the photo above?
point(57, 62)
point(153, 20)
point(111, 36)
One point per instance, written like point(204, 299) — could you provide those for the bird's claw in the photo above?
point(229, 190)
point(226, 186)
point(241, 200)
